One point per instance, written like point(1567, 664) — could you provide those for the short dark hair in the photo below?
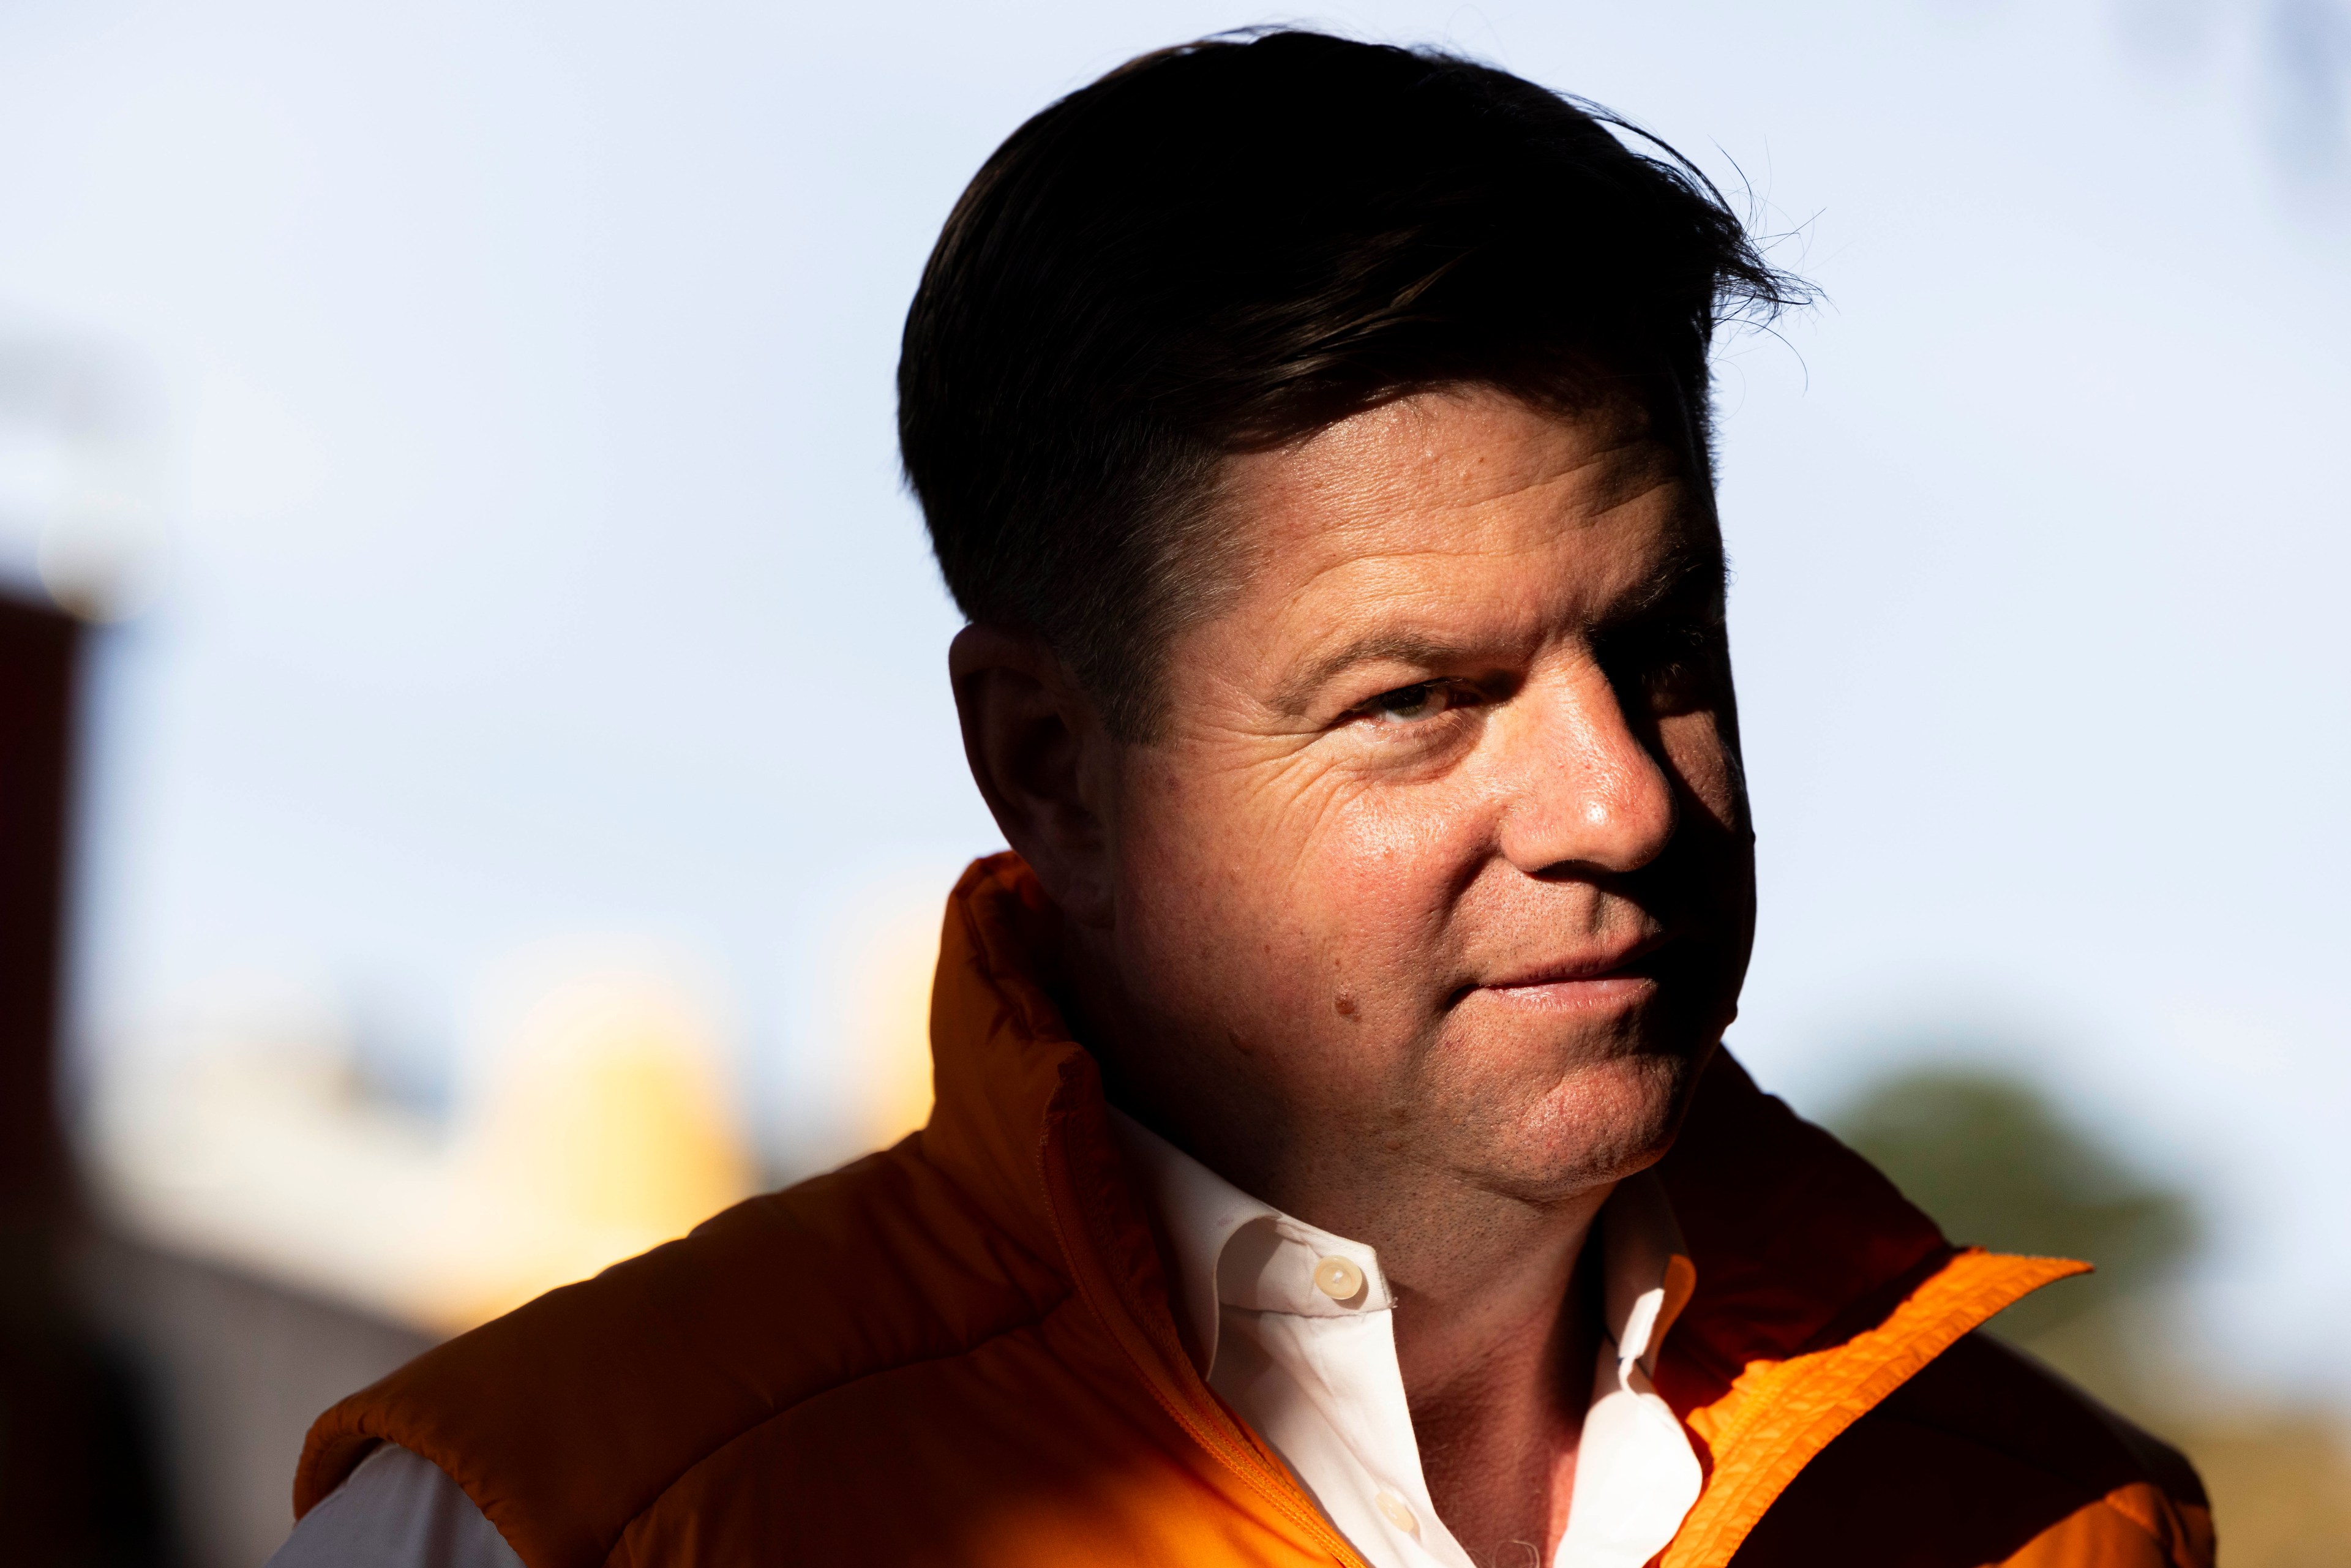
point(1227, 246)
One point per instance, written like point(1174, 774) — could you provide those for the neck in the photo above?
point(1498, 1307)
point(1497, 1329)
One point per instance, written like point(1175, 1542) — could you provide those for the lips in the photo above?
point(1617, 961)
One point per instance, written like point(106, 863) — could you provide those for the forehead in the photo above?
point(1467, 514)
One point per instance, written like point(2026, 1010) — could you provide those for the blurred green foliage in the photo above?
point(1996, 1164)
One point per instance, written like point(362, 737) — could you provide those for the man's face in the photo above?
point(1443, 857)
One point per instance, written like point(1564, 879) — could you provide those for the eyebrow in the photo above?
point(1686, 568)
point(1674, 577)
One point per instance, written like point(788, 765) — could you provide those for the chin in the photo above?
point(1596, 1123)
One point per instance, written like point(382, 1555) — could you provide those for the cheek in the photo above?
point(1202, 864)
point(1398, 859)
point(1319, 896)
point(1380, 871)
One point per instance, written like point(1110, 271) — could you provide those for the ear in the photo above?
point(1042, 760)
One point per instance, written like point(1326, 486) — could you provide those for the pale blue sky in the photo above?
point(541, 572)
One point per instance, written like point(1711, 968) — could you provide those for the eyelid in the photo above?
point(1460, 692)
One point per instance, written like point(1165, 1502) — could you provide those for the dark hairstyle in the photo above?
point(1226, 245)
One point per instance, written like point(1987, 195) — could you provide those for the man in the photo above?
point(1333, 1157)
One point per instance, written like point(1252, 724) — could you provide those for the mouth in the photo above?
point(1606, 976)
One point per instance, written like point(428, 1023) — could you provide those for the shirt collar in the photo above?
point(1228, 1248)
point(1646, 1275)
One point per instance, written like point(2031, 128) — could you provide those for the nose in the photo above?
point(1584, 793)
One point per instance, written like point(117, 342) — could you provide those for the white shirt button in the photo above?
point(1399, 1513)
point(1338, 1278)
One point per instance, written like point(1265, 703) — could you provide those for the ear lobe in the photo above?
point(1037, 747)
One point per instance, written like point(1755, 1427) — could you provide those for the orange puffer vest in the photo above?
point(960, 1352)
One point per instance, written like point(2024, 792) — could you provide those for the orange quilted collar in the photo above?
point(1820, 1289)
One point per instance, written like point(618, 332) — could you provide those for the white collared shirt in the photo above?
point(1294, 1327)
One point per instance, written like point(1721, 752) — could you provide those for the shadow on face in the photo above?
point(1444, 851)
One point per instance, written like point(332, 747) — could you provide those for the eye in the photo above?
point(1671, 667)
point(1408, 704)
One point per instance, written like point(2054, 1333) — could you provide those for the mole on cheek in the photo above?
point(1344, 1004)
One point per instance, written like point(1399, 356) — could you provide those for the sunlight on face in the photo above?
point(1444, 852)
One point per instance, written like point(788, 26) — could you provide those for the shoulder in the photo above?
point(565, 1418)
point(1986, 1456)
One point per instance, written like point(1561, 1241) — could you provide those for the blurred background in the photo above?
point(473, 684)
